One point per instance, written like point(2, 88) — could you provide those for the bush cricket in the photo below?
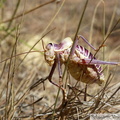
point(81, 61)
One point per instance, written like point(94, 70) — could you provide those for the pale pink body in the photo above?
point(78, 69)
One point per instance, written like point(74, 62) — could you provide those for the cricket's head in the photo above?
point(49, 54)
point(51, 49)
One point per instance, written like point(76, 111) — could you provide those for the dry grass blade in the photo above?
point(14, 13)
point(35, 45)
point(20, 15)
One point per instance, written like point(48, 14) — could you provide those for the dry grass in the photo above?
point(24, 91)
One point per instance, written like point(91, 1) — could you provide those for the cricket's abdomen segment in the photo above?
point(85, 73)
point(82, 72)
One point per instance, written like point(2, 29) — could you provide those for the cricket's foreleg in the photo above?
point(59, 70)
point(60, 74)
point(85, 40)
point(51, 73)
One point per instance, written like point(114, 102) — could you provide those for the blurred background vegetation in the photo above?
point(24, 22)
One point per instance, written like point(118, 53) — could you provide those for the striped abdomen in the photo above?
point(83, 72)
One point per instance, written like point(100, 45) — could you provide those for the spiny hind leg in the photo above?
point(76, 43)
point(86, 41)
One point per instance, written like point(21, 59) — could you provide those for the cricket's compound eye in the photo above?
point(49, 54)
point(49, 46)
